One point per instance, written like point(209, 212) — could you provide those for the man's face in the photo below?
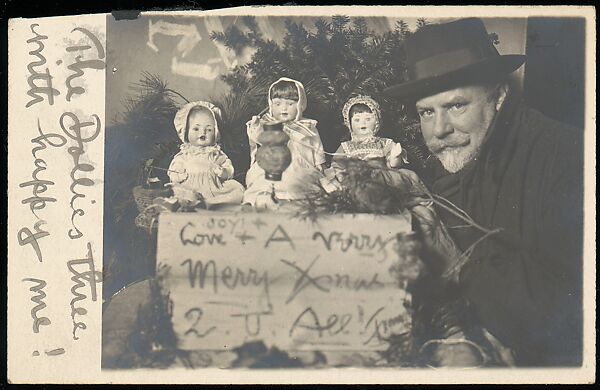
point(454, 123)
point(284, 110)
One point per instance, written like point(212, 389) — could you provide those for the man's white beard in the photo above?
point(455, 159)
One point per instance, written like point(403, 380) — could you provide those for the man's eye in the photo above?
point(457, 106)
point(425, 113)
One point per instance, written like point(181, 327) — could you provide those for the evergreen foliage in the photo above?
point(335, 59)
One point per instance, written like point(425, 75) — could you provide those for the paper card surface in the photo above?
point(239, 277)
point(55, 197)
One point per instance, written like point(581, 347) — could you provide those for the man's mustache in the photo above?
point(437, 146)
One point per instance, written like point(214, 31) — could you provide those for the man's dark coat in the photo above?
point(525, 283)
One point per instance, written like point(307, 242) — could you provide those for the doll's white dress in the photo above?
point(207, 171)
point(302, 176)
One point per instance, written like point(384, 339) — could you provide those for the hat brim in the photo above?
point(487, 69)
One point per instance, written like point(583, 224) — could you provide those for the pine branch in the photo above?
point(339, 23)
point(421, 22)
point(401, 28)
point(337, 58)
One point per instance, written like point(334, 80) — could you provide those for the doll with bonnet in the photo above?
point(382, 158)
point(362, 117)
point(201, 171)
point(287, 102)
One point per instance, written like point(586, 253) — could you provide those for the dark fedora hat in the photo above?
point(444, 56)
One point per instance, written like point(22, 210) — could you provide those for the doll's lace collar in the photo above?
point(196, 149)
point(366, 140)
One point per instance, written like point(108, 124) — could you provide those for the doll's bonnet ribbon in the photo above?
point(367, 101)
point(181, 118)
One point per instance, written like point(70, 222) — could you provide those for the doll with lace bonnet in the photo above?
point(201, 171)
point(385, 158)
point(362, 117)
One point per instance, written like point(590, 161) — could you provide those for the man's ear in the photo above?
point(502, 92)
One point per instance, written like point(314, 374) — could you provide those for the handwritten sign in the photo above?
point(55, 199)
point(242, 277)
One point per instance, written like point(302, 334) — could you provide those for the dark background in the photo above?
point(554, 72)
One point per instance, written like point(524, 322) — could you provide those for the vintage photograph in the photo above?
point(263, 194)
point(330, 190)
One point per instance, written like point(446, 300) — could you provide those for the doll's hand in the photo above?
point(255, 121)
point(340, 174)
point(254, 128)
point(220, 160)
point(394, 162)
point(396, 150)
point(396, 156)
point(218, 171)
point(180, 175)
point(330, 184)
point(265, 201)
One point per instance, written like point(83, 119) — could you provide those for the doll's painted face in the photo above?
point(363, 125)
point(284, 110)
point(201, 128)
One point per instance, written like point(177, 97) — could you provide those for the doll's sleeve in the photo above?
point(253, 128)
point(227, 167)
point(337, 160)
point(177, 169)
point(318, 150)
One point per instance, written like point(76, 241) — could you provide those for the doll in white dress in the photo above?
point(287, 102)
point(201, 171)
